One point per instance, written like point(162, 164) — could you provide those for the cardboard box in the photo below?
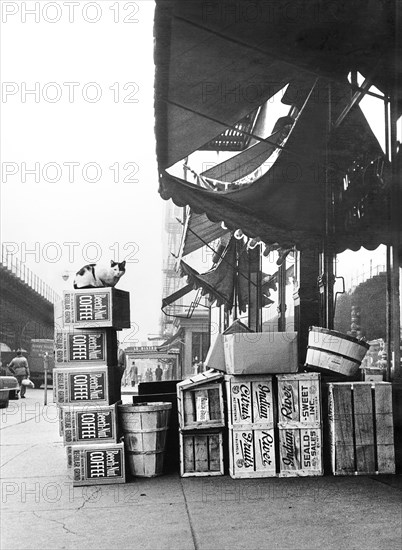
point(215, 358)
point(251, 452)
point(90, 424)
point(98, 464)
point(86, 346)
point(300, 452)
point(261, 353)
point(299, 400)
point(200, 401)
point(96, 308)
point(250, 400)
point(361, 429)
point(98, 385)
point(201, 453)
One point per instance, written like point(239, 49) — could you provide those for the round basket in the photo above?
point(334, 352)
point(145, 427)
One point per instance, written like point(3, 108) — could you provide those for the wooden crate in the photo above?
point(299, 400)
point(361, 428)
point(201, 453)
point(250, 400)
point(252, 452)
point(90, 424)
point(86, 346)
point(300, 451)
point(96, 308)
point(200, 401)
point(86, 385)
point(98, 464)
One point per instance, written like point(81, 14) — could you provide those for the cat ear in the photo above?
point(122, 264)
point(112, 263)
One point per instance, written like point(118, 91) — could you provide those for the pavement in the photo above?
point(40, 508)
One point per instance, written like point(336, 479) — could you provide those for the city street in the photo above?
point(41, 508)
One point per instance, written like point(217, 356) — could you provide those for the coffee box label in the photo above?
point(86, 347)
point(87, 386)
point(92, 307)
point(241, 403)
point(104, 463)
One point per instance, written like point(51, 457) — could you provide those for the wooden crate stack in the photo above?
point(201, 424)
point(361, 428)
point(251, 426)
point(300, 425)
point(86, 382)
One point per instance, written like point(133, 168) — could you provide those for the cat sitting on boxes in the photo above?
point(94, 276)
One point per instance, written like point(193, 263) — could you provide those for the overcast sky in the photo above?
point(87, 129)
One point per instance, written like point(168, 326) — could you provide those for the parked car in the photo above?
point(9, 389)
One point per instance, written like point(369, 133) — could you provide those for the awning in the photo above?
point(217, 61)
point(228, 282)
point(205, 82)
point(197, 231)
point(286, 205)
point(171, 342)
point(176, 296)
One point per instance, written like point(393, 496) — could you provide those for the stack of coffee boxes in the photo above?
point(250, 406)
point(300, 425)
point(86, 382)
point(201, 424)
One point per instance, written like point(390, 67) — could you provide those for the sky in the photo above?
point(79, 179)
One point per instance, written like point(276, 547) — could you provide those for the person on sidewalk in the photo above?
point(158, 373)
point(20, 369)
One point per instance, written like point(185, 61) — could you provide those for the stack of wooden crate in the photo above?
point(300, 425)
point(201, 424)
point(361, 428)
point(251, 426)
point(86, 382)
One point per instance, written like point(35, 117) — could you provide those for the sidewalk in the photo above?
point(42, 510)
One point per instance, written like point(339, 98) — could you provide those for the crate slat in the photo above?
point(361, 428)
point(201, 453)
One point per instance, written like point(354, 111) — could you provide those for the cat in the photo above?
point(93, 276)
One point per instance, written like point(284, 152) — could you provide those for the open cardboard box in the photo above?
point(254, 353)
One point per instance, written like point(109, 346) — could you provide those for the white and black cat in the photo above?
point(94, 276)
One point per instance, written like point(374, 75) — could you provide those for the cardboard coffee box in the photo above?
point(99, 385)
point(250, 400)
point(261, 352)
point(300, 451)
point(299, 399)
point(86, 346)
point(252, 452)
point(90, 424)
point(98, 464)
point(96, 308)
